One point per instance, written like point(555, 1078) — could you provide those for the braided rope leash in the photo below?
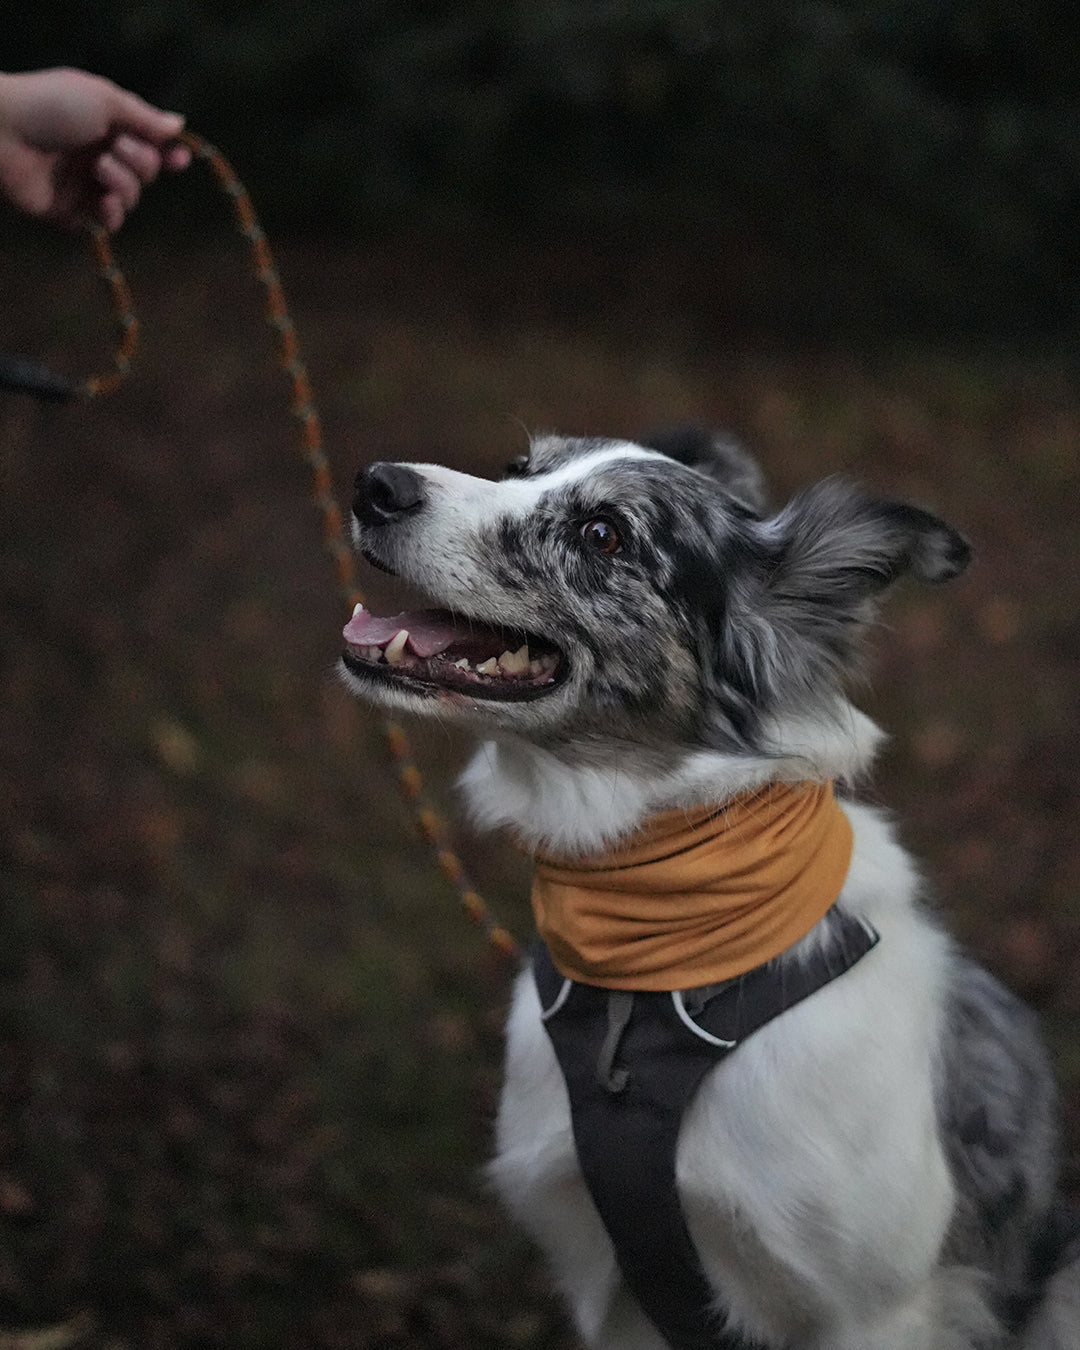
point(38, 380)
point(27, 375)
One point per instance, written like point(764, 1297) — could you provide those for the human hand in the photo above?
point(76, 148)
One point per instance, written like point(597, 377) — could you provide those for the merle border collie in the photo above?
point(632, 630)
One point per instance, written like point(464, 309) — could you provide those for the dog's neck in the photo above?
point(550, 803)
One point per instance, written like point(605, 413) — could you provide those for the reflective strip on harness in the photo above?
point(632, 1066)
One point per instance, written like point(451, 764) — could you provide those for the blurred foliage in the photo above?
point(919, 155)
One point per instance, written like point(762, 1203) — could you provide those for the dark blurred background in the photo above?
point(248, 1048)
point(913, 163)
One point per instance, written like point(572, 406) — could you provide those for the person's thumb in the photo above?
point(133, 114)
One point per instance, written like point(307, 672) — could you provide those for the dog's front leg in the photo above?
point(626, 1327)
point(949, 1312)
point(537, 1174)
point(906, 1328)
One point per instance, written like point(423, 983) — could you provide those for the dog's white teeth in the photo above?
point(488, 667)
point(396, 647)
point(515, 663)
point(463, 664)
point(371, 653)
point(358, 609)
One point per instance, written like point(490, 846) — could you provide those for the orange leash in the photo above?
point(429, 822)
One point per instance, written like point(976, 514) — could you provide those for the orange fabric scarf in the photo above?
point(696, 897)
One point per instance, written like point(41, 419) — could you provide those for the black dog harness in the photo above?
point(632, 1063)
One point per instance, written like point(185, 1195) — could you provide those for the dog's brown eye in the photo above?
point(602, 535)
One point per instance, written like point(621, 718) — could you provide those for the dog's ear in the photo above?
point(836, 547)
point(799, 601)
point(823, 563)
point(719, 456)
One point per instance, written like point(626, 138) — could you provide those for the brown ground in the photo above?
point(249, 1048)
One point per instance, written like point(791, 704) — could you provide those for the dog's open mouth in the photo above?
point(432, 650)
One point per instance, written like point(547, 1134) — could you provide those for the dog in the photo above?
point(636, 634)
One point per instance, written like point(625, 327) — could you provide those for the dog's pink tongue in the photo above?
point(430, 630)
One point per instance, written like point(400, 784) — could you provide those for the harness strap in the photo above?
point(632, 1064)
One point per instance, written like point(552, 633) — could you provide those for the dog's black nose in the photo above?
point(385, 492)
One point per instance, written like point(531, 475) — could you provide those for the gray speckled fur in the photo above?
point(999, 1116)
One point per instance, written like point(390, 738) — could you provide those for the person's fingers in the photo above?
point(109, 212)
point(143, 159)
point(124, 169)
point(117, 179)
point(176, 157)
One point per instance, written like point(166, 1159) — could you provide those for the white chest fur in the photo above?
point(809, 1164)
